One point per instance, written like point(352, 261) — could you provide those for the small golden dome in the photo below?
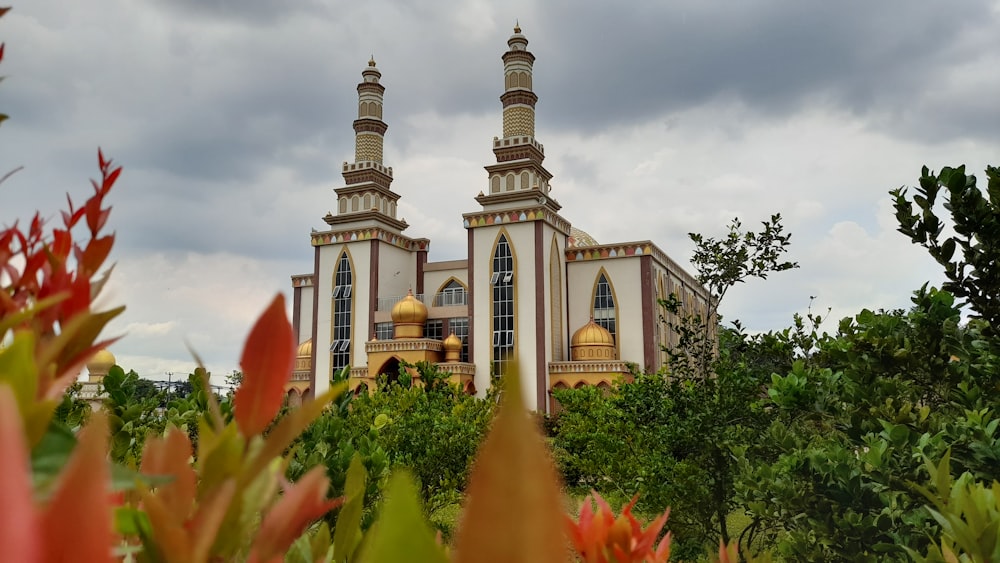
point(592, 342)
point(452, 343)
point(409, 311)
point(101, 363)
point(371, 61)
point(592, 334)
point(305, 349)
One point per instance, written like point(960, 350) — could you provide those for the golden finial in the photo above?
point(517, 26)
point(371, 61)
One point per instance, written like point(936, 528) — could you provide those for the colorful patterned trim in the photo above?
point(628, 250)
point(474, 220)
point(331, 237)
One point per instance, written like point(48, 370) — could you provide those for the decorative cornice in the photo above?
point(518, 55)
point(603, 367)
point(354, 216)
point(370, 125)
point(369, 233)
point(458, 368)
point(366, 165)
point(404, 345)
point(533, 197)
point(519, 152)
point(302, 280)
point(361, 188)
point(629, 250)
point(515, 165)
point(371, 87)
point(522, 97)
point(517, 140)
point(505, 217)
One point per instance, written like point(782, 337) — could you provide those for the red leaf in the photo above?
point(171, 456)
point(267, 361)
point(20, 538)
point(303, 502)
point(96, 252)
point(80, 513)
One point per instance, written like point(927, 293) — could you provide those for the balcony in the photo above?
point(445, 299)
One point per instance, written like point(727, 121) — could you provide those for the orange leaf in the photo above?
point(80, 512)
point(171, 538)
point(206, 523)
point(514, 511)
point(20, 538)
point(171, 456)
point(303, 502)
point(267, 361)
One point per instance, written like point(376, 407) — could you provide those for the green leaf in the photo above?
point(401, 533)
point(347, 535)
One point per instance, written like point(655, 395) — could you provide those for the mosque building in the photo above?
point(532, 292)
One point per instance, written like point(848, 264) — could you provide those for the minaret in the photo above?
point(518, 173)
point(516, 247)
point(366, 197)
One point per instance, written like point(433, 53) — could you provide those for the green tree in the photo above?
point(975, 221)
point(679, 437)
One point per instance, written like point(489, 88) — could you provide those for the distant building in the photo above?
point(532, 289)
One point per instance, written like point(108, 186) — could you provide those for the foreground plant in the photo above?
point(601, 537)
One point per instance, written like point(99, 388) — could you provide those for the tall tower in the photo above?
point(518, 173)
point(516, 245)
point(363, 256)
point(366, 197)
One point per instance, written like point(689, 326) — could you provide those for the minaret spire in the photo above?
point(369, 129)
point(366, 194)
point(518, 173)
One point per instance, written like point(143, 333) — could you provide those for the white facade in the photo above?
point(529, 283)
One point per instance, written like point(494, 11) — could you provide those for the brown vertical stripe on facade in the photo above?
point(648, 310)
point(421, 260)
point(471, 285)
point(315, 314)
point(372, 292)
point(540, 368)
point(296, 315)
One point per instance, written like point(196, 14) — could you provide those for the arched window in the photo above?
point(502, 280)
point(452, 293)
point(340, 349)
point(605, 313)
point(555, 299)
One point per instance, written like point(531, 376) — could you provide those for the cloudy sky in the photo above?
point(232, 117)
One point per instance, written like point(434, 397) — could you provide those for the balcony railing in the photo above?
point(446, 299)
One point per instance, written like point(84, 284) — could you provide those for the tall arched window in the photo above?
point(340, 349)
point(502, 280)
point(555, 290)
point(604, 306)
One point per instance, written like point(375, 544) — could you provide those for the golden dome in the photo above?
point(100, 364)
point(453, 343)
point(592, 334)
point(592, 342)
point(452, 348)
point(409, 311)
point(305, 349)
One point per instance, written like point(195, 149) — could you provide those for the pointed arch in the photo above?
point(503, 301)
point(555, 299)
point(341, 312)
point(604, 303)
point(452, 292)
